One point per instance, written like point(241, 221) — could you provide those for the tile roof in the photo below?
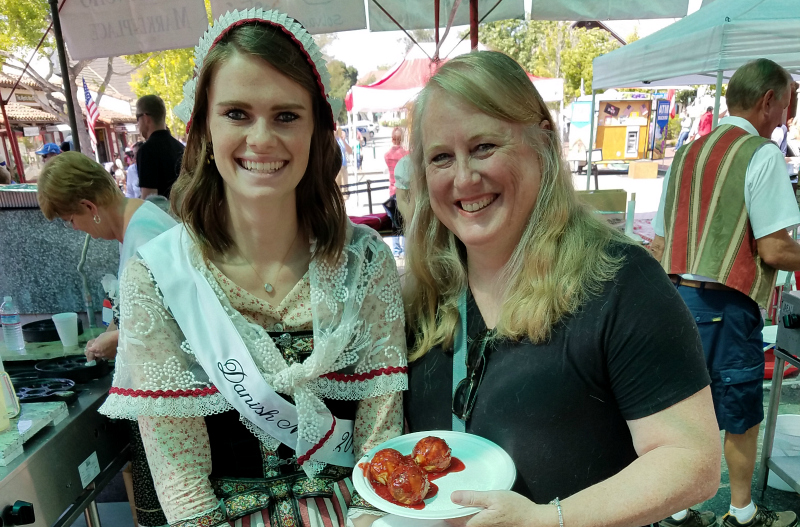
point(25, 114)
point(8, 80)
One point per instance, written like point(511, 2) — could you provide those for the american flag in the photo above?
point(92, 112)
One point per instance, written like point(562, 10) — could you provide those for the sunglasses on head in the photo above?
point(466, 392)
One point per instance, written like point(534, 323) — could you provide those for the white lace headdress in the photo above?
point(292, 28)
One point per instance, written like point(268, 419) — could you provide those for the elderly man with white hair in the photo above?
point(721, 236)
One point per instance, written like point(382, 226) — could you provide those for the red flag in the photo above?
point(92, 113)
point(671, 98)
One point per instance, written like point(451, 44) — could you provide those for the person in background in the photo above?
point(402, 179)
point(5, 175)
point(575, 354)
point(780, 136)
point(391, 157)
point(722, 248)
point(360, 143)
point(79, 191)
point(119, 174)
point(705, 122)
point(686, 127)
point(341, 140)
point(132, 189)
point(159, 159)
point(48, 151)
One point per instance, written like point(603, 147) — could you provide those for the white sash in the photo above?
point(223, 354)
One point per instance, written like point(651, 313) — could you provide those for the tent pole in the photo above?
point(436, 22)
point(66, 81)
point(716, 99)
point(591, 146)
point(473, 24)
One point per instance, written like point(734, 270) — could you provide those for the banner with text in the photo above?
point(317, 16)
point(108, 28)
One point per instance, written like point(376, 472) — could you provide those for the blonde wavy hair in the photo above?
point(562, 258)
point(71, 177)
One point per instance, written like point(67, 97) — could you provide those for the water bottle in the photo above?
point(12, 329)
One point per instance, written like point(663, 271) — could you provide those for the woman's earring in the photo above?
point(210, 154)
point(96, 218)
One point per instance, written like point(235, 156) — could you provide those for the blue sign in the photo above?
point(662, 113)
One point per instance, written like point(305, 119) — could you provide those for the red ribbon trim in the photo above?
point(305, 457)
point(364, 376)
point(202, 392)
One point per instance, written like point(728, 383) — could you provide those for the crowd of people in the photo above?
point(262, 327)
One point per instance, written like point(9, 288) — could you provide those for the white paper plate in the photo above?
point(488, 467)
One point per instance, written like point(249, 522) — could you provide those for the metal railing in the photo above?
point(370, 186)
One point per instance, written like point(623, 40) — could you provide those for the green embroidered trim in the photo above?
point(210, 519)
point(244, 504)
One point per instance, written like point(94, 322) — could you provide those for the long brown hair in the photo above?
point(198, 196)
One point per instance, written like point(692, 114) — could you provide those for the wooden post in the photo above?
point(473, 24)
point(12, 140)
point(436, 22)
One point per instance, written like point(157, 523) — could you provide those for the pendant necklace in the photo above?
point(268, 287)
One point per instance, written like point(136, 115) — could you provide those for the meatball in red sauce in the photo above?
point(408, 484)
point(384, 462)
point(432, 454)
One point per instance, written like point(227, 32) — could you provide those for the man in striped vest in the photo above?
point(721, 235)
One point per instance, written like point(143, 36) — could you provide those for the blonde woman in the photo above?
point(80, 192)
point(83, 194)
point(571, 348)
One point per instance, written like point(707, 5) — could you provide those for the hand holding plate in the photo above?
point(503, 508)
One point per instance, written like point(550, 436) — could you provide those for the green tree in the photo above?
point(550, 49)
point(164, 74)
point(343, 77)
point(585, 46)
point(22, 24)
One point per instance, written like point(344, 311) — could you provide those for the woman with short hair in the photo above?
point(263, 350)
point(79, 191)
point(566, 345)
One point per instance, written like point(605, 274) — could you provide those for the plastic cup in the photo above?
point(67, 327)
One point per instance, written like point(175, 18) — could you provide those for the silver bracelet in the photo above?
point(557, 503)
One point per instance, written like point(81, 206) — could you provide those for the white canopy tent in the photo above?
point(706, 47)
point(720, 37)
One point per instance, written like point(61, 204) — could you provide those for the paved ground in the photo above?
point(773, 499)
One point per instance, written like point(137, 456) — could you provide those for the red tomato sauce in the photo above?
point(456, 465)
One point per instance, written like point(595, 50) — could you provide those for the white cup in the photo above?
point(67, 327)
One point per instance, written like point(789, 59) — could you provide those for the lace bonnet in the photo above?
point(293, 29)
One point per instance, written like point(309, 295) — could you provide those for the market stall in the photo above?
point(705, 47)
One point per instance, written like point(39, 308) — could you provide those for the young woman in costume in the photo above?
point(262, 342)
